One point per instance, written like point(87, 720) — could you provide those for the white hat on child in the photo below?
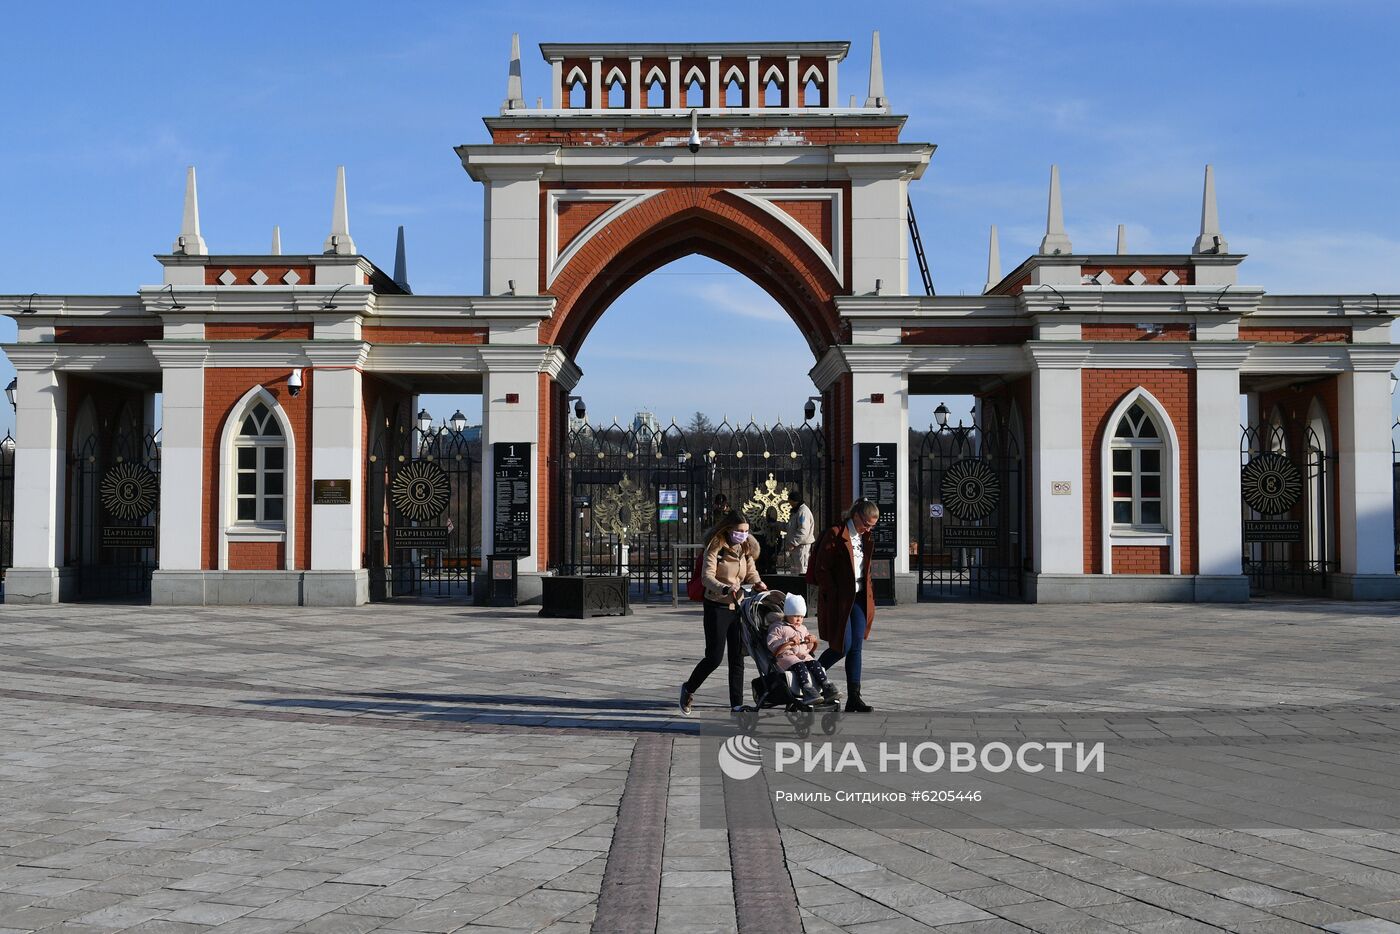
point(794, 605)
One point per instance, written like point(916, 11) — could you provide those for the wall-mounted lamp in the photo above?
point(425, 421)
point(941, 414)
point(1063, 305)
point(1393, 380)
point(459, 421)
point(510, 286)
point(580, 410)
point(329, 304)
point(13, 388)
point(174, 302)
point(1378, 310)
point(28, 308)
point(809, 409)
point(294, 383)
point(879, 286)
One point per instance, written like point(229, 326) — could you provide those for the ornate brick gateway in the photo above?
point(1107, 460)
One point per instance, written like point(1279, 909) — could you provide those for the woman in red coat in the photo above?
point(840, 567)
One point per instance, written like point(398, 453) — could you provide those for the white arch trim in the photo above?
point(833, 258)
point(735, 73)
point(615, 77)
point(624, 201)
point(1171, 503)
point(653, 76)
point(694, 75)
point(576, 77)
point(774, 73)
point(814, 74)
point(232, 425)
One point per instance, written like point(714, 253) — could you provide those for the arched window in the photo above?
point(578, 95)
point(1137, 462)
point(656, 88)
point(260, 470)
point(772, 94)
point(694, 94)
point(617, 94)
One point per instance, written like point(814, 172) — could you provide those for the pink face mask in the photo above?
point(738, 538)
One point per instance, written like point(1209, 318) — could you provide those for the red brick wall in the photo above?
point(837, 414)
point(694, 218)
point(1009, 334)
point(223, 387)
point(107, 334)
point(243, 274)
point(1131, 332)
point(402, 334)
point(256, 556)
point(1102, 391)
point(814, 216)
point(1296, 335)
point(573, 216)
point(1141, 559)
point(272, 330)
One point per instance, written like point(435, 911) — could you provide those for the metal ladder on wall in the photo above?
point(919, 248)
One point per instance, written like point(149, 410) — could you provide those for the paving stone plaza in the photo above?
point(446, 768)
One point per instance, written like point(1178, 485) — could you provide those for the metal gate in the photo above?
point(116, 521)
point(630, 495)
point(1395, 486)
point(7, 508)
point(424, 532)
point(1287, 502)
point(969, 508)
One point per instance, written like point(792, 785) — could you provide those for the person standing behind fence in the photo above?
point(840, 568)
point(801, 533)
point(730, 561)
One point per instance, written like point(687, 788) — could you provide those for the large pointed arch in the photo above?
point(709, 221)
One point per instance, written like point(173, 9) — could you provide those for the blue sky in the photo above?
point(1293, 102)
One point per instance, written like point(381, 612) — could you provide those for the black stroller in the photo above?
point(773, 687)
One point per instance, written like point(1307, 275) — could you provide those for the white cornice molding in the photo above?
point(1057, 355)
point(1378, 358)
point(478, 309)
point(461, 359)
point(831, 367)
point(515, 359)
point(87, 358)
point(1219, 356)
point(179, 355)
point(832, 257)
point(1145, 355)
point(349, 353)
point(1297, 358)
point(922, 310)
point(561, 369)
point(107, 307)
point(927, 359)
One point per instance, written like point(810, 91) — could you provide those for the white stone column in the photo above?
point(336, 577)
point(792, 92)
point(714, 94)
point(879, 232)
point(1057, 459)
point(511, 372)
point(880, 415)
point(179, 577)
point(831, 99)
point(674, 93)
point(1219, 529)
point(512, 232)
point(1364, 477)
point(595, 83)
point(41, 448)
point(751, 99)
point(634, 83)
point(556, 77)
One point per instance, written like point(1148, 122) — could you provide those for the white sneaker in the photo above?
point(687, 701)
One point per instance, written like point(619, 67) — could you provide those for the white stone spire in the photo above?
point(339, 240)
point(1122, 239)
point(1056, 240)
point(876, 97)
point(1210, 240)
point(993, 261)
point(401, 264)
point(190, 242)
point(277, 240)
point(515, 94)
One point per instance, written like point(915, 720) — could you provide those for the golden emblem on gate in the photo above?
point(623, 510)
point(1271, 484)
point(129, 491)
point(765, 497)
point(420, 491)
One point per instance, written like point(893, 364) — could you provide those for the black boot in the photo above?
point(853, 703)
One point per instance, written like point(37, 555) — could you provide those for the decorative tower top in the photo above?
point(993, 261)
point(1210, 240)
point(190, 242)
point(876, 97)
point(339, 241)
point(515, 95)
point(1056, 240)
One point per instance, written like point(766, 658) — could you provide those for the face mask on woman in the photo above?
point(738, 538)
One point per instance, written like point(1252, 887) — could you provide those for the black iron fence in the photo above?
point(1287, 502)
point(1395, 486)
point(629, 496)
point(424, 530)
point(116, 519)
point(7, 508)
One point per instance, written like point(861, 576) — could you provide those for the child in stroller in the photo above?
point(781, 647)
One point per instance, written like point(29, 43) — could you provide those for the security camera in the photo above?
point(694, 141)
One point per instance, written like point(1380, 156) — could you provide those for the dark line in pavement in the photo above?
point(630, 898)
point(764, 898)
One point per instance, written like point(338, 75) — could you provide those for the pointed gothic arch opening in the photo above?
point(1140, 479)
point(257, 477)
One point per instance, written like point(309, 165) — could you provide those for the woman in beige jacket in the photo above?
point(730, 561)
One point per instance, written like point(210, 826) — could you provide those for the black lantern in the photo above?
point(941, 414)
point(425, 421)
point(10, 392)
point(459, 421)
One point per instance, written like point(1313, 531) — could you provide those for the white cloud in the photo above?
point(746, 302)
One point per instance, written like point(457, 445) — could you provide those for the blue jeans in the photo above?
point(851, 652)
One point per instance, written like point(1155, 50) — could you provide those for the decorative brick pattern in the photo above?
point(1185, 275)
point(1141, 559)
point(1296, 335)
point(107, 334)
point(269, 331)
point(673, 136)
point(223, 387)
point(1131, 332)
point(1102, 391)
point(1010, 334)
point(243, 275)
point(685, 219)
point(403, 334)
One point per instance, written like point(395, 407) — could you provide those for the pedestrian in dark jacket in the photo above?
point(840, 567)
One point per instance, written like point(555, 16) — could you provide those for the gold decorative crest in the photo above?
point(129, 491)
point(765, 497)
point(624, 510)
